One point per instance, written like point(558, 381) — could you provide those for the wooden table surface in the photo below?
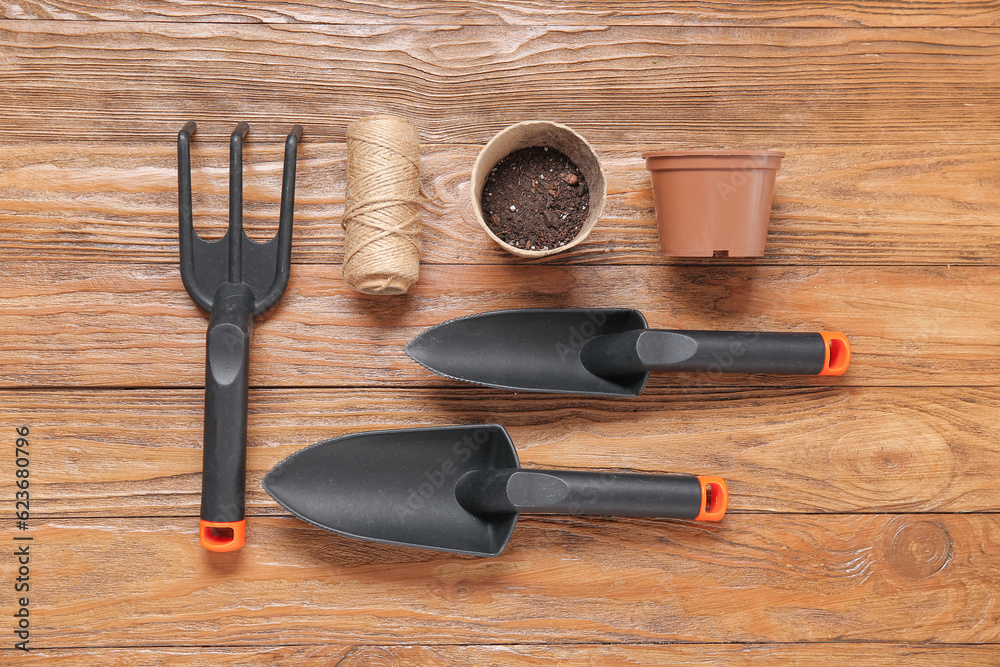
point(863, 523)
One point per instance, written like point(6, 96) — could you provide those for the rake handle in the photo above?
point(227, 363)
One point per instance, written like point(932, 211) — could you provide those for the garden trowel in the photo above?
point(609, 351)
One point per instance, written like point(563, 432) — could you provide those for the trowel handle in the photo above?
point(505, 491)
point(227, 363)
point(644, 350)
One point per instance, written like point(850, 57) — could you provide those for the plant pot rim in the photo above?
point(712, 153)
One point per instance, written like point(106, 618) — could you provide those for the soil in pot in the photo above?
point(535, 199)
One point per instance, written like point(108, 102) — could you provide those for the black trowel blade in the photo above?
point(527, 349)
point(398, 486)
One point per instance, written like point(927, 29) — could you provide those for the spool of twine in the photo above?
point(381, 211)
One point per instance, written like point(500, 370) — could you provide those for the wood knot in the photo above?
point(879, 465)
point(920, 549)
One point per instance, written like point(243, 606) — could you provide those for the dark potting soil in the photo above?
point(535, 199)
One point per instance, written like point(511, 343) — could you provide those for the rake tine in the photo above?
point(284, 250)
point(236, 202)
point(185, 217)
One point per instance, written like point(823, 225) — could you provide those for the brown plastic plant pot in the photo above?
point(541, 133)
point(713, 202)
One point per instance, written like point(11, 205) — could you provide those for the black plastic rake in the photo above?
point(235, 279)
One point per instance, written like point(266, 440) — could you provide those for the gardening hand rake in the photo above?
point(234, 279)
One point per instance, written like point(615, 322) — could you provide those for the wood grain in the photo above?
point(119, 325)
point(138, 453)
point(903, 578)
point(108, 202)
point(867, 653)
point(109, 80)
point(876, 13)
point(863, 524)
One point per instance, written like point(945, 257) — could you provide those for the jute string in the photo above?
point(381, 212)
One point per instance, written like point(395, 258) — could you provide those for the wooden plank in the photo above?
point(108, 202)
point(891, 135)
point(124, 325)
point(715, 86)
point(780, 450)
point(874, 655)
point(753, 578)
point(875, 13)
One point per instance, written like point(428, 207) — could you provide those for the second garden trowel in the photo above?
point(461, 489)
point(609, 351)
